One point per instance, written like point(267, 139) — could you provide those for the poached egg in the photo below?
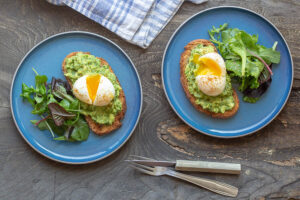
point(210, 73)
point(94, 89)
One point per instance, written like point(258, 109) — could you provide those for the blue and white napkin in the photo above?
point(137, 21)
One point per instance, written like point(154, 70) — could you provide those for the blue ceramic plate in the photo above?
point(250, 117)
point(46, 58)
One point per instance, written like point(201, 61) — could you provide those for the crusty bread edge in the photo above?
point(184, 82)
point(94, 126)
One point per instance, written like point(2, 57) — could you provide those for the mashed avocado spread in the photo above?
point(217, 104)
point(85, 64)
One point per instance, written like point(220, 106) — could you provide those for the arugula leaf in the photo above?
point(217, 31)
point(40, 79)
point(269, 55)
point(51, 99)
point(40, 84)
point(39, 98)
point(27, 92)
point(39, 108)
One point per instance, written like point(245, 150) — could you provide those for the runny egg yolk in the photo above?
point(92, 83)
point(206, 66)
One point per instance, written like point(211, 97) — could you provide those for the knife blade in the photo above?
point(198, 166)
point(154, 163)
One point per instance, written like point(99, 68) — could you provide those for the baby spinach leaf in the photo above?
point(59, 130)
point(81, 130)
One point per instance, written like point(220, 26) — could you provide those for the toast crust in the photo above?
point(94, 126)
point(184, 82)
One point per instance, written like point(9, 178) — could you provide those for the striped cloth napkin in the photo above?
point(137, 21)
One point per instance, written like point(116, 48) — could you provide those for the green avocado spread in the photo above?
point(216, 104)
point(85, 64)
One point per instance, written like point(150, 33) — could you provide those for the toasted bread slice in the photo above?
point(94, 126)
point(184, 82)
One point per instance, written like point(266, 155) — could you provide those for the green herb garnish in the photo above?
point(246, 61)
point(59, 110)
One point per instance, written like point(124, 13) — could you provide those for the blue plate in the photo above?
point(46, 58)
point(250, 117)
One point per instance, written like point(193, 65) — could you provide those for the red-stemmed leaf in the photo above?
point(59, 114)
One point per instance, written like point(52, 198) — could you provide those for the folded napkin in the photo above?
point(137, 21)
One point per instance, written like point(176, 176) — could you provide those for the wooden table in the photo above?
point(270, 158)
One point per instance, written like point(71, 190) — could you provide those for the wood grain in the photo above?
point(270, 158)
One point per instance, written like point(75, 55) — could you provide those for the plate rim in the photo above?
point(163, 81)
point(62, 34)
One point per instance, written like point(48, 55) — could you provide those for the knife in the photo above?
point(196, 166)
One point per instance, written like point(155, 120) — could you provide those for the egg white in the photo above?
point(213, 85)
point(105, 92)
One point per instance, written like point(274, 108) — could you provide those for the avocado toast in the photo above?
point(107, 118)
point(228, 100)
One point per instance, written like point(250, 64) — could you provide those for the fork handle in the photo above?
point(205, 166)
point(215, 186)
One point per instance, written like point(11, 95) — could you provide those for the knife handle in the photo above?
point(212, 167)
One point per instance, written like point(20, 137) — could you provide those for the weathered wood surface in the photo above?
point(270, 158)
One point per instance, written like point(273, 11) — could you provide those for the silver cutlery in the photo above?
point(215, 186)
point(189, 165)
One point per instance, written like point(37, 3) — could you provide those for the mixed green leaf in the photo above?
point(58, 109)
point(246, 61)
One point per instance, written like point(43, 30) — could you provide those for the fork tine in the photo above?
point(142, 166)
point(141, 157)
point(142, 170)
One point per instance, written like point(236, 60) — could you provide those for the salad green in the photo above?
point(248, 62)
point(58, 109)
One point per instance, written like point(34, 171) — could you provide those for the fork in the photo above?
point(215, 186)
